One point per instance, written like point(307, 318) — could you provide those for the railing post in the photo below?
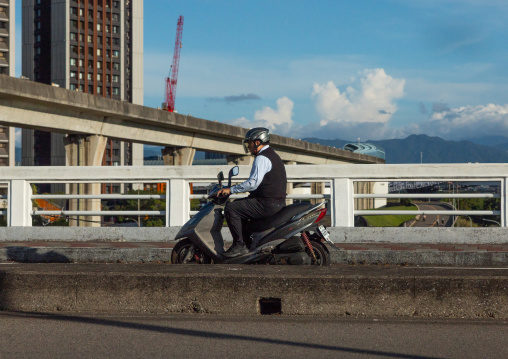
point(342, 205)
point(179, 203)
point(168, 202)
point(20, 204)
point(504, 202)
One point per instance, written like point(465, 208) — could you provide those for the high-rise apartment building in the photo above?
point(7, 26)
point(92, 46)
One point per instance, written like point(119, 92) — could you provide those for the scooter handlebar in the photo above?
point(214, 193)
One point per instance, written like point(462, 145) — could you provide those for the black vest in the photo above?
point(274, 182)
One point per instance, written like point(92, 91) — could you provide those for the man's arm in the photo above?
point(260, 168)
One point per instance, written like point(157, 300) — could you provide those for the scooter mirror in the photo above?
point(232, 172)
point(220, 178)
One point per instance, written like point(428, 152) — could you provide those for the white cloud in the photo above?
point(282, 115)
point(364, 109)
point(278, 120)
point(371, 100)
point(468, 122)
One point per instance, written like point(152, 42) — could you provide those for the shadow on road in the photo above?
point(30, 255)
point(206, 334)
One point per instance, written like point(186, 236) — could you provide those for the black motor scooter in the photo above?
point(292, 236)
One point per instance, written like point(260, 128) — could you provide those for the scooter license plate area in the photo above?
point(324, 233)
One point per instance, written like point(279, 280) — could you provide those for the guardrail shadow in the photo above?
point(31, 255)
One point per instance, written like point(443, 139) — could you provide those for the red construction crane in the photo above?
point(173, 76)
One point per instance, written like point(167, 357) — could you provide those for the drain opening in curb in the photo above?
point(269, 306)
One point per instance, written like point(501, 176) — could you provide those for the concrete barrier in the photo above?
point(252, 290)
point(493, 235)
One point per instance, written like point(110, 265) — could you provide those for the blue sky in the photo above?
point(374, 69)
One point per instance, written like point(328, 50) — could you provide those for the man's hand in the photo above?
point(224, 192)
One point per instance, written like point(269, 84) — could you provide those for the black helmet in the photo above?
point(256, 134)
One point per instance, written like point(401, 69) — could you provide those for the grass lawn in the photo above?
point(390, 220)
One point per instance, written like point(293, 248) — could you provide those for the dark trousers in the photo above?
point(238, 212)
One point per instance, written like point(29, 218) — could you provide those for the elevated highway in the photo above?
point(37, 106)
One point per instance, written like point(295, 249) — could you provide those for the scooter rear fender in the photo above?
point(288, 230)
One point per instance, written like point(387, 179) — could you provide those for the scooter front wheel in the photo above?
point(186, 253)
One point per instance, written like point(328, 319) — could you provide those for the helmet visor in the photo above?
point(246, 146)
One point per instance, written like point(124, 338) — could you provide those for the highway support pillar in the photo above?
point(235, 160)
point(290, 185)
point(317, 188)
point(85, 151)
point(178, 156)
point(363, 188)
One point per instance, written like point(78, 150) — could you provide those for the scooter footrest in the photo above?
point(267, 250)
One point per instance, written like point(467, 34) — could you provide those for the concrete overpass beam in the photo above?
point(178, 156)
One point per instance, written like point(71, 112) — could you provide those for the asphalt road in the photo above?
point(433, 220)
point(24, 335)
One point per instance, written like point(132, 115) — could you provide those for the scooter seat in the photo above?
point(284, 215)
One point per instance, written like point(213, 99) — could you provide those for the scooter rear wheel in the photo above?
point(181, 255)
point(322, 255)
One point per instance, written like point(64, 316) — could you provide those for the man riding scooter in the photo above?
point(267, 185)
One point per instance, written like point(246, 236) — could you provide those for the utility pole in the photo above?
point(421, 157)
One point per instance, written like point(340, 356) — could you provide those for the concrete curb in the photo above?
point(337, 234)
point(250, 290)
point(422, 258)
point(85, 255)
point(163, 255)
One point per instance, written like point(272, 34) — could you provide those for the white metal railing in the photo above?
point(429, 196)
point(341, 181)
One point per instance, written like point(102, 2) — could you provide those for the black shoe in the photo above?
point(236, 250)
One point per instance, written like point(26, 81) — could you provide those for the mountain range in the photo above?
point(413, 149)
point(426, 149)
